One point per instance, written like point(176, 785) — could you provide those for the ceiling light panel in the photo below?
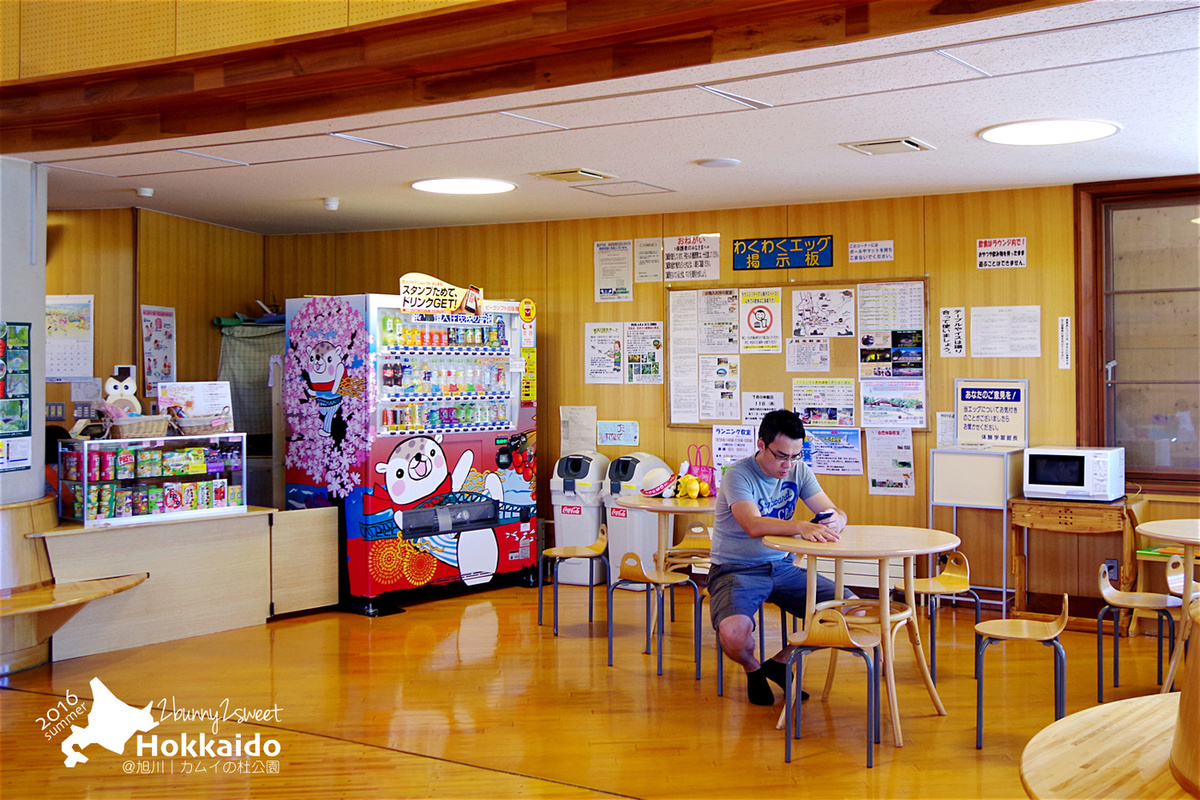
point(1161, 33)
point(633, 108)
point(155, 163)
point(856, 78)
point(288, 149)
point(474, 128)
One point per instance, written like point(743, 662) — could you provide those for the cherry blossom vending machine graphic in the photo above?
point(418, 421)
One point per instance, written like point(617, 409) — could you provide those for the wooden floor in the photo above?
point(469, 698)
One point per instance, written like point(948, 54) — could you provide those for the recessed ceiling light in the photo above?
point(717, 163)
point(1048, 131)
point(464, 186)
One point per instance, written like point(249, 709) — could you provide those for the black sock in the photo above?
point(757, 690)
point(776, 672)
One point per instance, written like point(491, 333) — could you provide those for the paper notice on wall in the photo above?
point(603, 357)
point(883, 250)
point(647, 260)
point(717, 321)
point(823, 312)
point(1064, 342)
point(720, 387)
point(692, 258)
point(620, 433)
point(891, 306)
point(1006, 332)
point(808, 354)
point(826, 403)
point(576, 429)
point(732, 443)
point(1003, 253)
point(834, 451)
point(158, 346)
point(945, 429)
point(952, 328)
point(756, 405)
point(613, 264)
point(760, 329)
point(684, 385)
point(890, 462)
point(644, 352)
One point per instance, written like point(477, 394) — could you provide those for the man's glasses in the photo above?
point(782, 459)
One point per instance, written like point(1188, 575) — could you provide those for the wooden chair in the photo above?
point(830, 630)
point(1047, 633)
point(592, 551)
point(1175, 575)
point(862, 613)
point(632, 571)
point(762, 644)
point(1116, 601)
point(955, 578)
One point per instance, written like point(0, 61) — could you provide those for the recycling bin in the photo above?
point(630, 530)
point(577, 490)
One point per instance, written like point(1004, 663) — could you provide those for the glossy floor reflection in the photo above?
point(468, 698)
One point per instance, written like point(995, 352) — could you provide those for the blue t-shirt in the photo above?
point(775, 497)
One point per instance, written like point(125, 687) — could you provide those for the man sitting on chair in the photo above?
point(758, 498)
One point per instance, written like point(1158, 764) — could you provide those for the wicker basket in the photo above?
point(202, 426)
point(136, 427)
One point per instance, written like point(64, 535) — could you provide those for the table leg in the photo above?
point(1189, 591)
point(914, 636)
point(887, 643)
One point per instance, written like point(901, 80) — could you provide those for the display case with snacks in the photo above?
point(127, 481)
point(444, 373)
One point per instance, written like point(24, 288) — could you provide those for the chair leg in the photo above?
point(696, 632)
point(647, 593)
point(878, 724)
point(658, 593)
point(788, 691)
point(979, 651)
point(978, 610)
point(557, 564)
point(782, 627)
point(1100, 653)
point(610, 620)
point(720, 667)
point(1116, 620)
point(591, 589)
point(541, 565)
point(1060, 678)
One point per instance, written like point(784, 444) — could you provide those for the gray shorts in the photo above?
point(740, 590)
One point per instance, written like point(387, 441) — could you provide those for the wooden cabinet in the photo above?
point(1057, 547)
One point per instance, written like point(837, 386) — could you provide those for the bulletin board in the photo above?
point(846, 355)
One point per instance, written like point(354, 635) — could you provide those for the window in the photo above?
point(1138, 312)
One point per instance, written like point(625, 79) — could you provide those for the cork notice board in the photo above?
point(846, 355)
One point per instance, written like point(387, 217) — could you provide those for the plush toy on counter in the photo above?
point(121, 391)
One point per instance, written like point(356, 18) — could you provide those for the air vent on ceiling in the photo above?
point(883, 147)
point(574, 175)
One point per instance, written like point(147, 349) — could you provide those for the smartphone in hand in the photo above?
point(821, 518)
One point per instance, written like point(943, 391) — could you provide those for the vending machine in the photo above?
point(415, 414)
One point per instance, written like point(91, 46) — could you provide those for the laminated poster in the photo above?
point(807, 354)
point(603, 357)
point(613, 262)
point(158, 346)
point(892, 403)
point(717, 320)
point(692, 258)
point(720, 387)
point(732, 443)
point(756, 405)
point(834, 451)
point(890, 462)
point(761, 330)
point(644, 352)
point(648, 260)
point(16, 443)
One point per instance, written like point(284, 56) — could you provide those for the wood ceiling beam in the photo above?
point(480, 50)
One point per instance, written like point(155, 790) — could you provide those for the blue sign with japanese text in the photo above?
point(784, 253)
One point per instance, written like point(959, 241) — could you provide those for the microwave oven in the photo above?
point(1074, 473)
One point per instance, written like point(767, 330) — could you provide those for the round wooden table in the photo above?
point(881, 543)
point(1187, 533)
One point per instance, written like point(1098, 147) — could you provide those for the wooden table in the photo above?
point(1098, 753)
point(1187, 533)
point(882, 543)
point(667, 508)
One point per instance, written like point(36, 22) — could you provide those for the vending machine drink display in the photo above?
point(420, 424)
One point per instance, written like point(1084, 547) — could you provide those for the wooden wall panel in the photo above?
point(375, 260)
point(1046, 218)
point(295, 266)
point(91, 252)
point(202, 271)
